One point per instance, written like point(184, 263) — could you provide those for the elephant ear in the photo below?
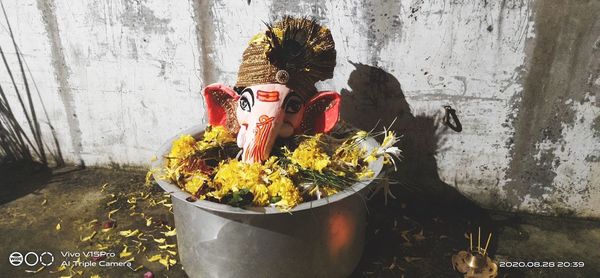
point(321, 114)
point(220, 106)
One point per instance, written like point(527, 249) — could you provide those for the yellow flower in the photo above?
point(291, 169)
point(349, 153)
point(264, 181)
point(226, 177)
point(271, 163)
point(234, 175)
point(183, 147)
point(284, 188)
point(195, 183)
point(215, 136)
point(389, 140)
point(372, 156)
point(270, 183)
point(309, 154)
point(261, 195)
point(365, 173)
point(218, 134)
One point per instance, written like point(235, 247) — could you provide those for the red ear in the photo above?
point(220, 100)
point(321, 113)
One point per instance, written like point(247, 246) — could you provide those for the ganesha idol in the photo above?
point(275, 94)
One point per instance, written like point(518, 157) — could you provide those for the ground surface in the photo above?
point(80, 201)
point(413, 236)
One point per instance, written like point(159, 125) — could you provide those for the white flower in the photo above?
point(395, 151)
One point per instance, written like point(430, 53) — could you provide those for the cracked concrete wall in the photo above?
point(555, 165)
point(118, 78)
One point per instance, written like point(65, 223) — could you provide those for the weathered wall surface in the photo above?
point(117, 78)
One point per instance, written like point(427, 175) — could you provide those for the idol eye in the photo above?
point(247, 100)
point(293, 105)
point(245, 104)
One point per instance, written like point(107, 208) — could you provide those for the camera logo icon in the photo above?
point(31, 258)
point(15, 258)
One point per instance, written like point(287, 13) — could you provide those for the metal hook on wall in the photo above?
point(449, 111)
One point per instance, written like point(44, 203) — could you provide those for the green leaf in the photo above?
point(275, 199)
point(239, 198)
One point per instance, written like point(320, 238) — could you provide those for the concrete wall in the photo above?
point(117, 78)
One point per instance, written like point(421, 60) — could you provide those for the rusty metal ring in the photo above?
point(449, 112)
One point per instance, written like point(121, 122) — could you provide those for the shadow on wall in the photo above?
point(23, 152)
point(375, 96)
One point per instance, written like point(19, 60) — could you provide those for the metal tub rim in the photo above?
point(178, 193)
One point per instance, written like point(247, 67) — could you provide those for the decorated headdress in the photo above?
point(296, 52)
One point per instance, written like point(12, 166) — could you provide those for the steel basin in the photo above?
point(322, 238)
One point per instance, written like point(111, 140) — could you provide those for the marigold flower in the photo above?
point(284, 187)
point(182, 148)
point(314, 169)
point(196, 182)
point(261, 195)
point(309, 154)
point(215, 136)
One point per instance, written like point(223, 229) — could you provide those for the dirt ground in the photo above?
point(80, 200)
point(67, 210)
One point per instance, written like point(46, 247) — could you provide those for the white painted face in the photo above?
point(265, 112)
